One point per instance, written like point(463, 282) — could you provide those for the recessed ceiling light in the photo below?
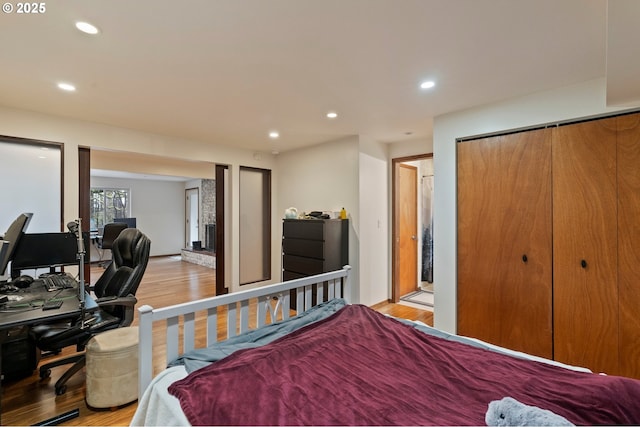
point(332, 115)
point(274, 134)
point(66, 86)
point(85, 27)
point(427, 85)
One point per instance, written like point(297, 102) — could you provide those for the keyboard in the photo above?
point(56, 282)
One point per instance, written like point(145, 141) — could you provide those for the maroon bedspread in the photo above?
point(359, 367)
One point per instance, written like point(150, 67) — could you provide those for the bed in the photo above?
point(335, 363)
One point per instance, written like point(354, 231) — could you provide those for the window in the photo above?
point(108, 204)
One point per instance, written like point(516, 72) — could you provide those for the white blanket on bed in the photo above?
point(157, 407)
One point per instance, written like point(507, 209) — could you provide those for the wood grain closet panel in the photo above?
point(585, 297)
point(504, 241)
point(629, 243)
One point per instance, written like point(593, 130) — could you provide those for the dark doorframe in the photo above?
point(84, 197)
point(221, 171)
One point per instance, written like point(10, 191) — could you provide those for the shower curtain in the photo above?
point(427, 229)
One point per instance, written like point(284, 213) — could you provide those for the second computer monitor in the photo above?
point(131, 222)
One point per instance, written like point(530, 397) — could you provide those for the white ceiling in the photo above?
point(229, 71)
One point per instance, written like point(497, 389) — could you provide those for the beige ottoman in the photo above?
point(112, 368)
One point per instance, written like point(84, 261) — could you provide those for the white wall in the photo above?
point(321, 178)
point(375, 283)
point(581, 100)
point(158, 207)
point(410, 148)
point(76, 133)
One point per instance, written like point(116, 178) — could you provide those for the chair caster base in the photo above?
point(45, 373)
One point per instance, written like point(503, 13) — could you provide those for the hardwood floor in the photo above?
point(167, 281)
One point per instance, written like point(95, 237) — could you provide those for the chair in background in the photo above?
point(115, 294)
point(109, 234)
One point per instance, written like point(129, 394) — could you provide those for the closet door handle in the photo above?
point(583, 263)
point(524, 258)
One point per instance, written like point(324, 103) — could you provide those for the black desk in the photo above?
point(28, 311)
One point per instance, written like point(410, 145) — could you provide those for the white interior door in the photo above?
point(191, 216)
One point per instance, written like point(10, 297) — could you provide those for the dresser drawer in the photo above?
point(290, 275)
point(303, 247)
point(303, 229)
point(302, 265)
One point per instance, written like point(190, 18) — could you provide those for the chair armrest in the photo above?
point(128, 301)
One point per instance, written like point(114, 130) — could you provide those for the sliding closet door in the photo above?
point(585, 268)
point(629, 243)
point(504, 240)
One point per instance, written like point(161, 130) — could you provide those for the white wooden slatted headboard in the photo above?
point(181, 317)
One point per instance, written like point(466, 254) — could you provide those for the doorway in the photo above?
point(192, 215)
point(412, 216)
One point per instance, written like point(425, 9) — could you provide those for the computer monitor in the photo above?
point(12, 237)
point(46, 250)
point(131, 222)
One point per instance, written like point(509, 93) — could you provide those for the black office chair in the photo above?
point(109, 234)
point(115, 294)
